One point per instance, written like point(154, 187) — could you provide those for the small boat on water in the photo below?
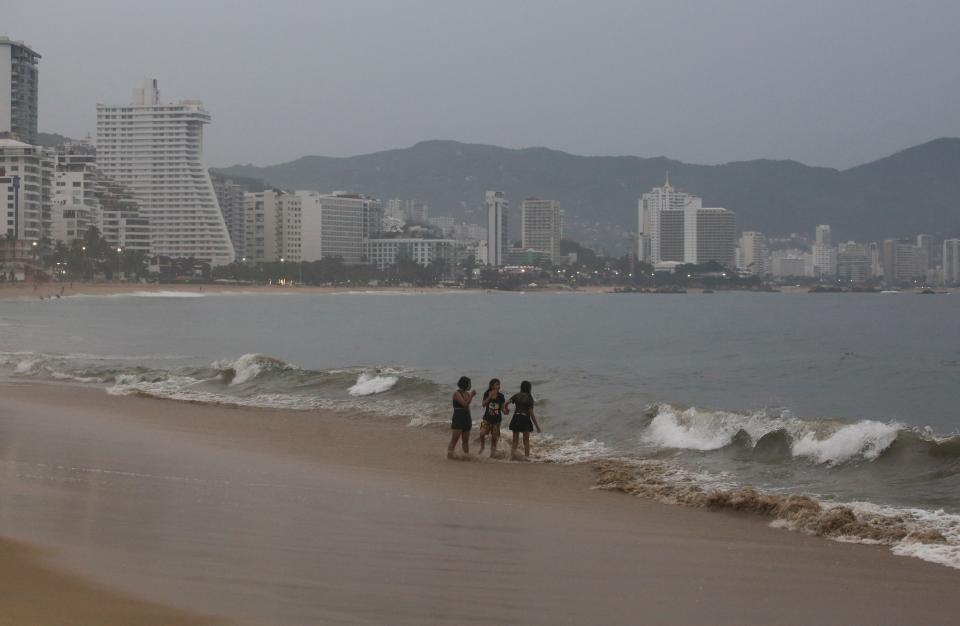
point(890, 291)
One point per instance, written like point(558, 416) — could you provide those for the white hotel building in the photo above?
point(156, 150)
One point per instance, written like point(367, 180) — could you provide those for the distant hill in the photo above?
point(915, 190)
point(51, 140)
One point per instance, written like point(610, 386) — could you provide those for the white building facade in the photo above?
point(754, 259)
point(824, 253)
point(26, 190)
point(498, 223)
point(157, 151)
point(660, 223)
point(338, 225)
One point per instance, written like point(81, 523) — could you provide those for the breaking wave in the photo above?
point(825, 442)
point(369, 384)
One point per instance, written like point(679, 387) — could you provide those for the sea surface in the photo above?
point(848, 398)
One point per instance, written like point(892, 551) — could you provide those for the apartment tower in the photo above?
point(498, 221)
point(19, 83)
point(540, 227)
point(157, 151)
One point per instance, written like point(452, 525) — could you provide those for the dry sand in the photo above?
point(278, 517)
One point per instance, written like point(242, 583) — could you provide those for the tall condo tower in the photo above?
point(540, 226)
point(498, 220)
point(660, 223)
point(157, 151)
point(19, 82)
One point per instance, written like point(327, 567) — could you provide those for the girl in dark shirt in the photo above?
point(495, 407)
point(462, 421)
point(523, 420)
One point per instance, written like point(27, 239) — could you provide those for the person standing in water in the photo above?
point(495, 407)
point(462, 421)
point(523, 420)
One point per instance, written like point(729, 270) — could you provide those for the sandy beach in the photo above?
point(281, 517)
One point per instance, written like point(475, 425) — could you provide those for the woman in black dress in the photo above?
point(523, 420)
point(462, 422)
point(495, 406)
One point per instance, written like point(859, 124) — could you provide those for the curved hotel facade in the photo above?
point(156, 150)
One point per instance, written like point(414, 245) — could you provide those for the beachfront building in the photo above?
point(853, 262)
point(230, 196)
point(498, 227)
point(824, 253)
point(386, 253)
point(541, 227)
point(661, 223)
point(338, 225)
point(753, 249)
point(75, 207)
point(273, 226)
point(120, 221)
point(903, 262)
point(710, 234)
point(19, 88)
point(26, 190)
point(156, 150)
point(951, 261)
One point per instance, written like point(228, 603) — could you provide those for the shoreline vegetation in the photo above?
point(571, 550)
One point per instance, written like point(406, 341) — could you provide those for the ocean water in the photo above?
point(848, 398)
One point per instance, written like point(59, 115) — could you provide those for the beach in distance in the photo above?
point(713, 458)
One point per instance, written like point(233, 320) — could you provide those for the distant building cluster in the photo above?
point(675, 228)
point(143, 184)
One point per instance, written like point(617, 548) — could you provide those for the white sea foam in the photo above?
point(249, 366)
point(369, 384)
point(550, 449)
point(866, 439)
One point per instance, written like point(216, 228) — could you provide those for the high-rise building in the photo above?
point(824, 253)
point(417, 211)
point(754, 250)
point(19, 83)
point(710, 234)
point(385, 253)
point(75, 205)
point(274, 226)
point(541, 227)
point(157, 151)
point(498, 223)
point(951, 261)
point(338, 225)
point(854, 262)
point(120, 221)
point(660, 215)
point(903, 262)
point(26, 190)
point(925, 243)
point(230, 199)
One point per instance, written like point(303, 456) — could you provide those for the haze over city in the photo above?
point(826, 83)
point(468, 365)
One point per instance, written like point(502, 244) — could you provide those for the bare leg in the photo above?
point(494, 438)
point(453, 443)
point(483, 437)
point(513, 446)
point(526, 445)
point(464, 441)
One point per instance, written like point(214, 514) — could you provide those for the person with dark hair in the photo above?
point(523, 420)
point(495, 406)
point(462, 421)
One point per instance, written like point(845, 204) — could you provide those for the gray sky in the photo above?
point(831, 83)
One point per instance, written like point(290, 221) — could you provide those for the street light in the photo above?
point(119, 250)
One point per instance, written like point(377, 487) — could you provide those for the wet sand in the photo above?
point(278, 517)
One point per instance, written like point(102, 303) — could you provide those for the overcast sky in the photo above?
point(834, 83)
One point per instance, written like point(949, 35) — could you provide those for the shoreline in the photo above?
point(624, 555)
